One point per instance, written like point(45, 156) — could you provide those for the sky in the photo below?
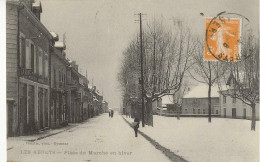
point(98, 31)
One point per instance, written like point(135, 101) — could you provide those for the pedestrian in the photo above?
point(136, 125)
point(109, 113)
point(112, 113)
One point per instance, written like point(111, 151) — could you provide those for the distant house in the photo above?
point(165, 104)
point(196, 101)
point(235, 108)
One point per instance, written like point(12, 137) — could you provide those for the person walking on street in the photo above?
point(112, 113)
point(136, 125)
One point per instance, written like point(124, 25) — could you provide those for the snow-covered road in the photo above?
point(99, 139)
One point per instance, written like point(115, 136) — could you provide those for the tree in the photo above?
point(206, 72)
point(167, 54)
point(242, 83)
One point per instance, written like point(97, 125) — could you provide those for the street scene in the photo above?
point(129, 81)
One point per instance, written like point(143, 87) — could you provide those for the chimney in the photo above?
point(37, 9)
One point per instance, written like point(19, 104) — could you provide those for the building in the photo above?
point(73, 95)
point(29, 45)
point(232, 107)
point(97, 101)
point(195, 102)
point(105, 106)
point(86, 97)
point(59, 65)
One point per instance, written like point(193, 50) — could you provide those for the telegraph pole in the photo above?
point(142, 77)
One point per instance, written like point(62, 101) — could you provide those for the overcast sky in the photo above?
point(97, 31)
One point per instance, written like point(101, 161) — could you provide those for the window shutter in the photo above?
point(35, 58)
point(28, 54)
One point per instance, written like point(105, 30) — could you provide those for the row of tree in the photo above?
point(173, 54)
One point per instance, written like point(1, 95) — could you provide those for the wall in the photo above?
point(239, 105)
point(11, 61)
point(199, 103)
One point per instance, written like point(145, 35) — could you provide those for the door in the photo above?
point(40, 109)
point(244, 114)
point(31, 124)
point(23, 108)
point(225, 112)
point(234, 113)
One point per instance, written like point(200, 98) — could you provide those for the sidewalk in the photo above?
point(167, 152)
point(20, 140)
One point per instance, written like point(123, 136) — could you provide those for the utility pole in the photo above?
point(142, 77)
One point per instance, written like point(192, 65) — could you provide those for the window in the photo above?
point(216, 111)
point(233, 100)
point(198, 111)
point(32, 57)
point(46, 66)
point(224, 99)
point(234, 114)
point(40, 61)
point(194, 111)
point(244, 114)
point(22, 52)
point(204, 112)
point(28, 60)
point(186, 111)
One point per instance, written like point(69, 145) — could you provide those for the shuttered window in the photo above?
point(40, 61)
point(22, 52)
point(28, 54)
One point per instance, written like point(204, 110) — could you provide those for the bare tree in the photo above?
point(206, 72)
point(166, 59)
point(242, 83)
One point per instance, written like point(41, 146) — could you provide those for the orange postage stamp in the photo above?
point(222, 39)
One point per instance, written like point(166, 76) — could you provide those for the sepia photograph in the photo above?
point(130, 80)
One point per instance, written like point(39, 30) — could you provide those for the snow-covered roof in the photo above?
point(201, 91)
point(59, 44)
point(36, 4)
point(167, 99)
point(55, 35)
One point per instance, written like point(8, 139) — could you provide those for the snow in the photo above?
point(36, 4)
point(197, 140)
point(201, 91)
point(107, 137)
point(167, 99)
point(59, 44)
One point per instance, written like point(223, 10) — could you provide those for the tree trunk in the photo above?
point(253, 117)
point(178, 112)
point(149, 113)
point(209, 102)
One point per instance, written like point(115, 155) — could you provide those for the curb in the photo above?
point(167, 152)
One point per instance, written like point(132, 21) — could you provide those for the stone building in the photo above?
point(28, 48)
point(59, 65)
point(195, 102)
point(73, 95)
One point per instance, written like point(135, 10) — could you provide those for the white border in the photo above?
point(3, 144)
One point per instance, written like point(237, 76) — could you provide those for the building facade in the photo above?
point(29, 45)
point(59, 65)
point(195, 102)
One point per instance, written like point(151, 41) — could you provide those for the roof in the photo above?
point(59, 44)
point(201, 91)
point(55, 36)
point(167, 99)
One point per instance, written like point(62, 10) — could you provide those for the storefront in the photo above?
point(34, 107)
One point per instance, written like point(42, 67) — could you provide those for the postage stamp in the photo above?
point(222, 39)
